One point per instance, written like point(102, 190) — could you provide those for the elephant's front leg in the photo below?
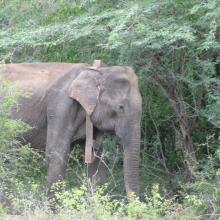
point(57, 159)
point(60, 130)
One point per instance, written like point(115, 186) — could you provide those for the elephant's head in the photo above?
point(112, 101)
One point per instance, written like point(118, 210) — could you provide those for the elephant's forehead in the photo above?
point(122, 72)
point(117, 71)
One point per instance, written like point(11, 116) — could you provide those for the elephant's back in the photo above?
point(33, 76)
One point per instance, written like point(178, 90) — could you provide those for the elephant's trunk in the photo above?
point(131, 145)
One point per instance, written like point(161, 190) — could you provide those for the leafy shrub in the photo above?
point(19, 165)
point(10, 128)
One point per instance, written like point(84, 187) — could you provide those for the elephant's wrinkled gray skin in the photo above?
point(60, 101)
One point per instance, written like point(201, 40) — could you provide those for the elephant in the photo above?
point(69, 102)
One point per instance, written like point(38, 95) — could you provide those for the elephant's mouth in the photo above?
point(106, 125)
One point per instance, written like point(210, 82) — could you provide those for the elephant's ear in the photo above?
point(85, 89)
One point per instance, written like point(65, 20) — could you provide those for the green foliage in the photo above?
point(203, 195)
point(9, 128)
point(82, 202)
point(20, 173)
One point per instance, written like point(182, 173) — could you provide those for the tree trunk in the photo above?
point(185, 124)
